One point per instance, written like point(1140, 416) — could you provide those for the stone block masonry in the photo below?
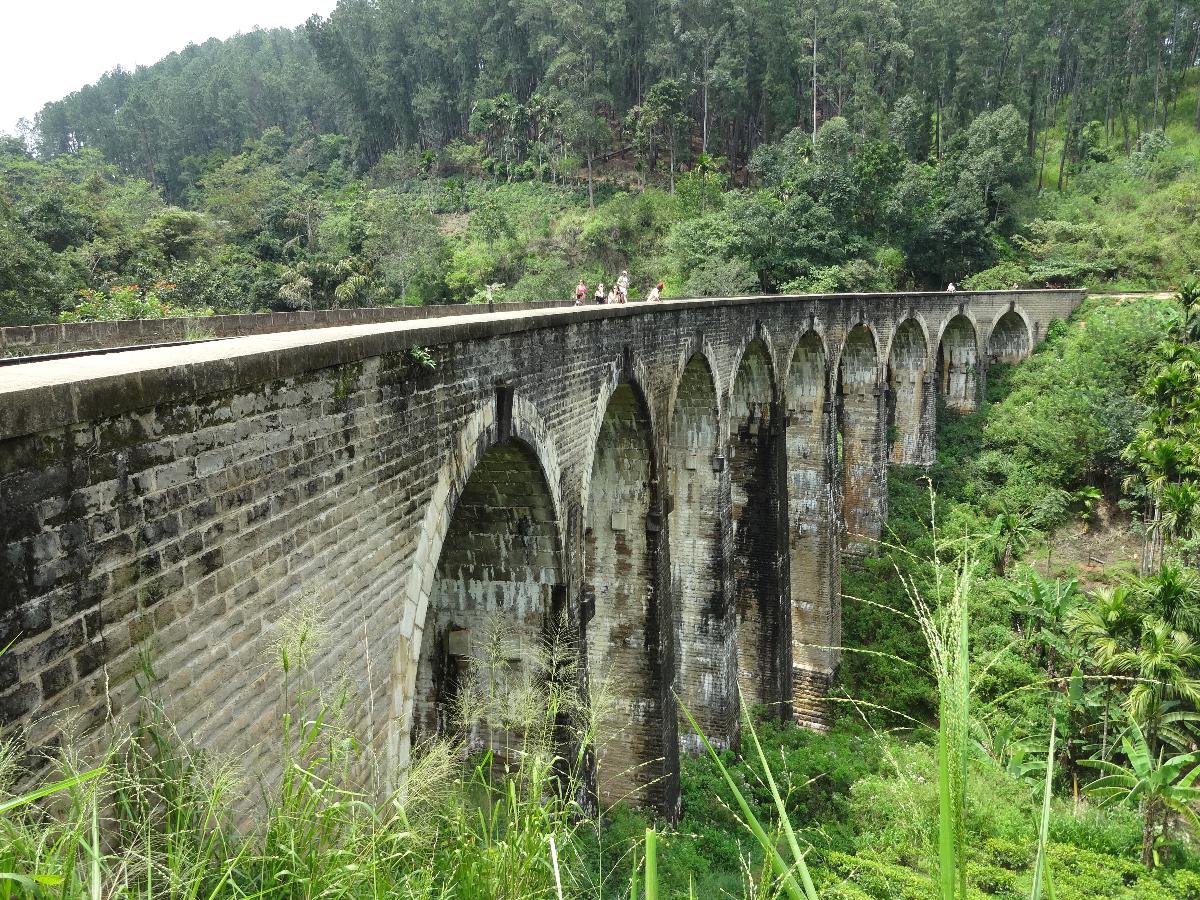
point(679, 480)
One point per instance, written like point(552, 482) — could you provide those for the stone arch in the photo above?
point(622, 612)
point(860, 439)
point(760, 342)
point(755, 476)
point(630, 372)
point(907, 367)
point(479, 433)
point(700, 347)
point(706, 672)
point(498, 587)
point(1010, 337)
point(957, 364)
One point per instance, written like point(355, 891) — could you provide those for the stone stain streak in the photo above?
point(958, 365)
point(619, 593)
point(694, 467)
point(754, 475)
point(677, 479)
point(861, 445)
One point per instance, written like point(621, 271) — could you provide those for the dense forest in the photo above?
point(420, 152)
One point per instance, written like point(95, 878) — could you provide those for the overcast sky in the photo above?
point(49, 48)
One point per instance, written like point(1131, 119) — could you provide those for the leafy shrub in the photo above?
point(129, 301)
point(999, 277)
point(721, 278)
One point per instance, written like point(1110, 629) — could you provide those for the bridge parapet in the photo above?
point(676, 477)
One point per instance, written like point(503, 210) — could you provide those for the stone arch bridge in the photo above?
point(679, 480)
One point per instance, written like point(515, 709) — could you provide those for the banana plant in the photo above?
point(1158, 786)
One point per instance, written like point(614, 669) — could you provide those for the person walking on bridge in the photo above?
point(623, 287)
point(580, 292)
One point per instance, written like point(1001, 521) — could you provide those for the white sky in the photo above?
point(49, 48)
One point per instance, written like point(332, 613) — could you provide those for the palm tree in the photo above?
point(1188, 330)
point(1158, 786)
point(1173, 594)
point(1181, 511)
point(1160, 462)
point(1010, 534)
point(1162, 664)
point(1107, 624)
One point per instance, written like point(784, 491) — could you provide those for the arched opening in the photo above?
point(492, 601)
point(1009, 340)
point(861, 440)
point(621, 610)
point(958, 365)
point(812, 535)
point(754, 473)
point(906, 395)
point(706, 669)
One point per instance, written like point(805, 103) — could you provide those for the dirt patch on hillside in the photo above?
point(1099, 554)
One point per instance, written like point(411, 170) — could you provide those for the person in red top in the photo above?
point(580, 292)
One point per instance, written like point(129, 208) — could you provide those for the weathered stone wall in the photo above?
point(184, 505)
point(908, 387)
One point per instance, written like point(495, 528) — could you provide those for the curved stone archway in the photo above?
point(1010, 340)
point(497, 587)
point(706, 672)
point(755, 475)
point(480, 432)
point(622, 612)
point(908, 392)
point(861, 448)
point(958, 365)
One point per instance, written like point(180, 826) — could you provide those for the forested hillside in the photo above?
point(419, 152)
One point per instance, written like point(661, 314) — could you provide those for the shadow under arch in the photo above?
point(498, 590)
point(860, 438)
point(1010, 338)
